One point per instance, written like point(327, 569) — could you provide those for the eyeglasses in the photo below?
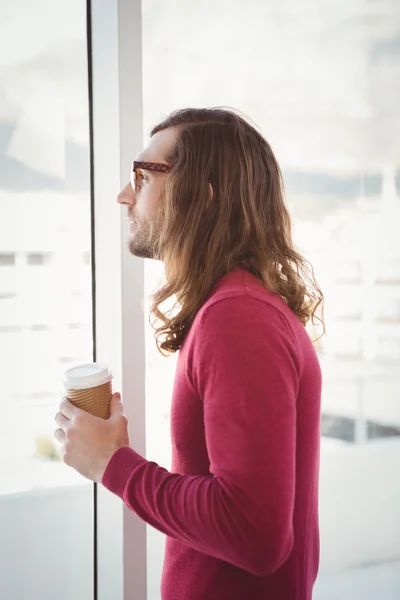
point(138, 166)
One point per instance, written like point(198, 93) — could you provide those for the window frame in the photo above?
point(115, 49)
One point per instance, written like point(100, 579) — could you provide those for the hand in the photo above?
point(88, 442)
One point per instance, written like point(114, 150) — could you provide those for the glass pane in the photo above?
point(46, 509)
point(323, 85)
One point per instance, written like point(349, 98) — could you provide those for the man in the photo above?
point(240, 506)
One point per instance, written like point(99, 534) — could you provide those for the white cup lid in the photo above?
point(86, 376)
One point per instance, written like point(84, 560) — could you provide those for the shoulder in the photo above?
point(242, 318)
point(244, 331)
point(240, 301)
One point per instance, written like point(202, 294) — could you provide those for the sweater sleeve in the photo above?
point(244, 366)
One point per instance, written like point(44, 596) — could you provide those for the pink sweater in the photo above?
point(240, 505)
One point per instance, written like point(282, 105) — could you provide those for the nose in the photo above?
point(127, 196)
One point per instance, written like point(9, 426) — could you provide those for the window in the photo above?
point(348, 349)
point(46, 509)
point(388, 309)
point(325, 184)
point(330, 115)
point(348, 271)
point(330, 120)
point(389, 272)
point(7, 259)
point(36, 258)
point(388, 349)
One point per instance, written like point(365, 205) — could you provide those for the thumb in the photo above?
point(116, 404)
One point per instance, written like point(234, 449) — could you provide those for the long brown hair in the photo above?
point(223, 208)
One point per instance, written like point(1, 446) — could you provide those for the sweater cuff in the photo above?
point(120, 468)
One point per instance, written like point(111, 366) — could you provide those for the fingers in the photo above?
point(60, 436)
point(68, 409)
point(62, 421)
point(116, 406)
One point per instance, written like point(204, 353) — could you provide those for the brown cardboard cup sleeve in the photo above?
point(89, 387)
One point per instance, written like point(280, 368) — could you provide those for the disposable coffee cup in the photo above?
point(89, 387)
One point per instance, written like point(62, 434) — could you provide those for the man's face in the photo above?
point(145, 202)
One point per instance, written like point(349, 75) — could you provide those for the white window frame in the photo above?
point(116, 34)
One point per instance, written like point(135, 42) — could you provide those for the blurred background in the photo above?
point(322, 82)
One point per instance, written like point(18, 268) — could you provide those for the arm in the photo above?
point(243, 366)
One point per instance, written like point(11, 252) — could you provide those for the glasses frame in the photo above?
point(151, 166)
point(148, 166)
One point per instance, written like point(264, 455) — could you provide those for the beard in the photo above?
point(144, 241)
